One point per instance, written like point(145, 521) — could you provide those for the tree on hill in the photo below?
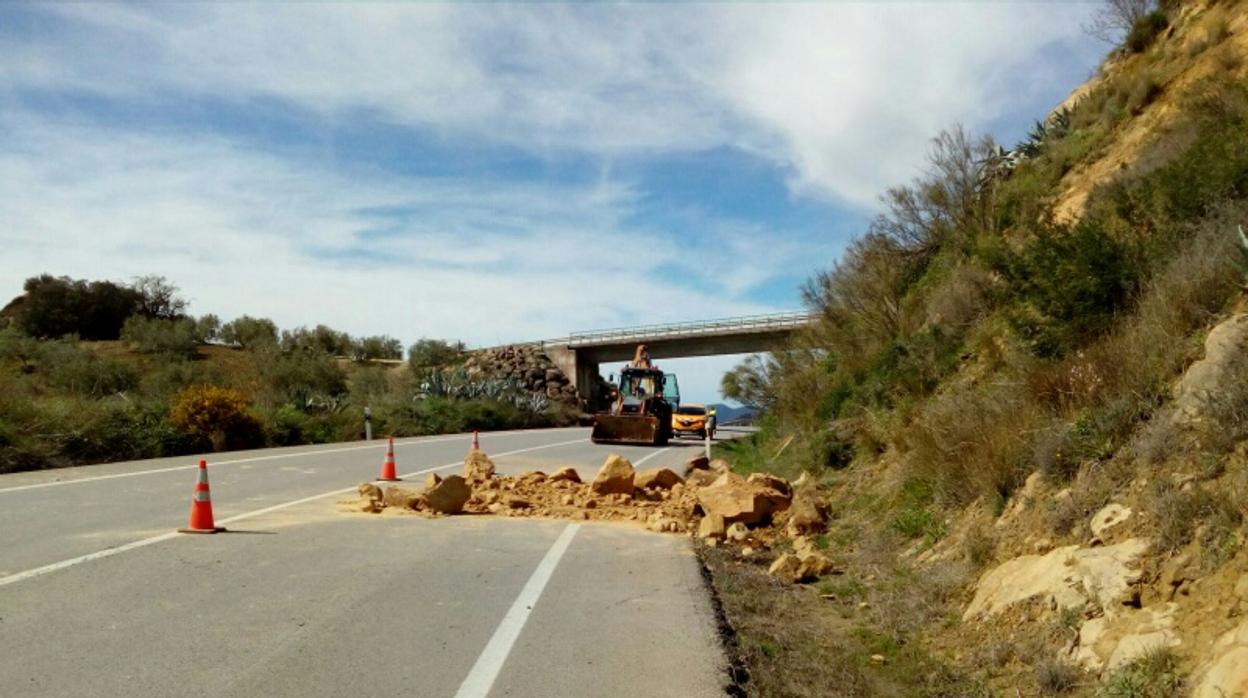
point(59, 306)
point(1117, 17)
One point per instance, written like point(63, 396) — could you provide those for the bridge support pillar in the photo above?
point(582, 373)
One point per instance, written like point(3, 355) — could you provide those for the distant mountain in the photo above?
point(728, 413)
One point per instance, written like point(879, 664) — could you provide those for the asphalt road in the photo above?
point(98, 597)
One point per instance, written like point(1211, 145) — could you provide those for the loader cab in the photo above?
point(639, 385)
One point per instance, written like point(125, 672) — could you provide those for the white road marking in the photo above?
point(481, 677)
point(379, 444)
point(652, 455)
point(108, 552)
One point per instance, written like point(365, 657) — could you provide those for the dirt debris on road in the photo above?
point(759, 512)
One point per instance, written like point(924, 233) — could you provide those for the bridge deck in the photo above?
point(750, 324)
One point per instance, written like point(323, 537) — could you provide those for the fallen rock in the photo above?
point(701, 478)
point(720, 465)
point(401, 498)
point(737, 500)
point(1065, 577)
point(565, 475)
point(532, 476)
point(448, 496)
point(696, 463)
point(737, 531)
point(659, 478)
point(432, 480)
point(478, 466)
point(1109, 516)
point(711, 526)
point(807, 513)
point(615, 476)
point(371, 497)
point(768, 480)
point(787, 567)
point(814, 564)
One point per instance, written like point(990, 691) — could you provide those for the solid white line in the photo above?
point(380, 444)
point(652, 455)
point(481, 677)
point(108, 552)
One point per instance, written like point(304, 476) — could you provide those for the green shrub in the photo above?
point(1145, 30)
point(1072, 283)
point(69, 368)
point(304, 379)
point(176, 337)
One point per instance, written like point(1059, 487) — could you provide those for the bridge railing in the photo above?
point(748, 323)
point(641, 333)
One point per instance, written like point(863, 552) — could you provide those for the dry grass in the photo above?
point(794, 643)
point(973, 441)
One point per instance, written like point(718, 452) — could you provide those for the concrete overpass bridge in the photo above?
point(579, 354)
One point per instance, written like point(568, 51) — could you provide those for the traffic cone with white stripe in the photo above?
point(388, 468)
point(476, 440)
point(201, 505)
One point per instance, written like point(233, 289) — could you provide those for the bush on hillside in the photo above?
point(1072, 283)
point(1145, 30)
point(216, 416)
point(433, 353)
point(304, 380)
point(178, 337)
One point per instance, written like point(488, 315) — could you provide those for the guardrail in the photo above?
point(746, 323)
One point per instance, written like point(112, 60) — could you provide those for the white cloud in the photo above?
point(245, 232)
point(843, 95)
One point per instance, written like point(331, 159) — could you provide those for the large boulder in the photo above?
point(615, 476)
point(738, 500)
point(478, 466)
point(448, 496)
point(808, 513)
point(658, 478)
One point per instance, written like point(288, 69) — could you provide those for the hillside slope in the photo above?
point(1027, 402)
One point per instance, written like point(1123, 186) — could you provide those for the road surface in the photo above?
point(99, 598)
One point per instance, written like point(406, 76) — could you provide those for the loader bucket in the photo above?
point(625, 428)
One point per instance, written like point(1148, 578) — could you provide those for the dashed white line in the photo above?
point(481, 677)
point(108, 552)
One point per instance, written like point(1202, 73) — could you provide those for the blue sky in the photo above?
point(492, 172)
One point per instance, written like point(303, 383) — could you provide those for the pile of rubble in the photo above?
point(525, 365)
point(756, 513)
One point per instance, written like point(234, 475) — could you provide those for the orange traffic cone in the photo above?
point(387, 468)
point(476, 440)
point(201, 505)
